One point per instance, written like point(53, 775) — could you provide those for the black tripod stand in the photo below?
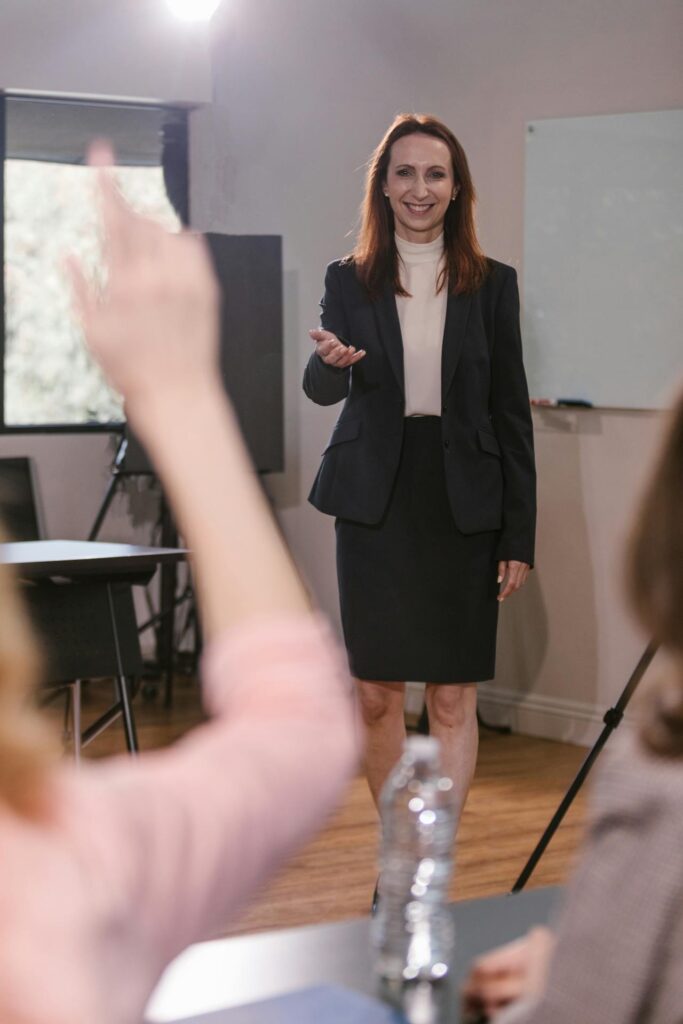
point(612, 718)
point(131, 460)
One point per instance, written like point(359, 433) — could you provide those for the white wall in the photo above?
point(302, 93)
point(126, 48)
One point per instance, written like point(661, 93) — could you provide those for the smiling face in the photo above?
point(419, 186)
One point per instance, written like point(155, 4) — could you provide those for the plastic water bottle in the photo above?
point(412, 931)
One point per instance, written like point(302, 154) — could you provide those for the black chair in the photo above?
point(89, 631)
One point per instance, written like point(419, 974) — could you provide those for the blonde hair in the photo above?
point(27, 747)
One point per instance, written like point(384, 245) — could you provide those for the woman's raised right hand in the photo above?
point(332, 351)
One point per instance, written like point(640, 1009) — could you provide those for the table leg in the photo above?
point(76, 718)
point(167, 604)
point(127, 712)
point(122, 681)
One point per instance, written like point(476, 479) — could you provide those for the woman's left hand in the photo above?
point(512, 575)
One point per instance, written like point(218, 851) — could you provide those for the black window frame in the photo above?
point(180, 200)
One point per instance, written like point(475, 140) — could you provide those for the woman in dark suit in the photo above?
point(430, 467)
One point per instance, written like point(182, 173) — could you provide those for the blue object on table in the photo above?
point(324, 1004)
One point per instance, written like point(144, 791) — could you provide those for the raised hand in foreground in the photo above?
point(153, 328)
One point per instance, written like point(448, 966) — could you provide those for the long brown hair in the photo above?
point(655, 586)
point(375, 255)
point(27, 746)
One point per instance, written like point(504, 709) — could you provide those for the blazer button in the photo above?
point(444, 410)
point(446, 444)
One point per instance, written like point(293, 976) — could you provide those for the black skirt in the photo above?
point(418, 597)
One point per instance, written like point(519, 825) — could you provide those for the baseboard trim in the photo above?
point(551, 718)
point(414, 699)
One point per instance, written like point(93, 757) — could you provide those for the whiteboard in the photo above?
point(603, 258)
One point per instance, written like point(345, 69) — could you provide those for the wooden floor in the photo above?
point(518, 784)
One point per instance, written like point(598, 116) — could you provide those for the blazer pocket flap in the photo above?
point(488, 442)
point(345, 430)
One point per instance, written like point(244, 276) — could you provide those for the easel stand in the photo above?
point(612, 718)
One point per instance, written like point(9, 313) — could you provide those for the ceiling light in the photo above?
point(194, 10)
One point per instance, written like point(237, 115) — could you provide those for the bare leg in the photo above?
point(381, 706)
point(452, 714)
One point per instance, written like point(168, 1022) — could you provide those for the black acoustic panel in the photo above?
point(249, 268)
point(74, 626)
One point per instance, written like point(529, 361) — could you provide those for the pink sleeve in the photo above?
point(181, 839)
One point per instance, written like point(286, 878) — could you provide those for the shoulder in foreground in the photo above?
point(631, 776)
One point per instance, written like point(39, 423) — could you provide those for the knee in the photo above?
point(379, 702)
point(452, 706)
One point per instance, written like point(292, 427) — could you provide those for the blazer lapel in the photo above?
point(457, 315)
point(389, 327)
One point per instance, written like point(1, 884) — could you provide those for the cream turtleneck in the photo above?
point(422, 318)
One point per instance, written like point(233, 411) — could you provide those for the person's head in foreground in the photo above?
point(618, 945)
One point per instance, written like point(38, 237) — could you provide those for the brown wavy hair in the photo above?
point(655, 587)
point(28, 748)
point(375, 255)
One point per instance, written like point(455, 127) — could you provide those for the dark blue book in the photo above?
point(324, 1004)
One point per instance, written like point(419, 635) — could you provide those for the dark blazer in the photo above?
point(485, 417)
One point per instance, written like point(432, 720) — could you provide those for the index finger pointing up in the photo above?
point(100, 153)
point(114, 210)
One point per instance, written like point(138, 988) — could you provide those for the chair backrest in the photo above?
point(20, 508)
point(74, 624)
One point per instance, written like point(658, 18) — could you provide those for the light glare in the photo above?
point(194, 10)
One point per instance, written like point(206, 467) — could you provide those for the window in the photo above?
point(48, 381)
